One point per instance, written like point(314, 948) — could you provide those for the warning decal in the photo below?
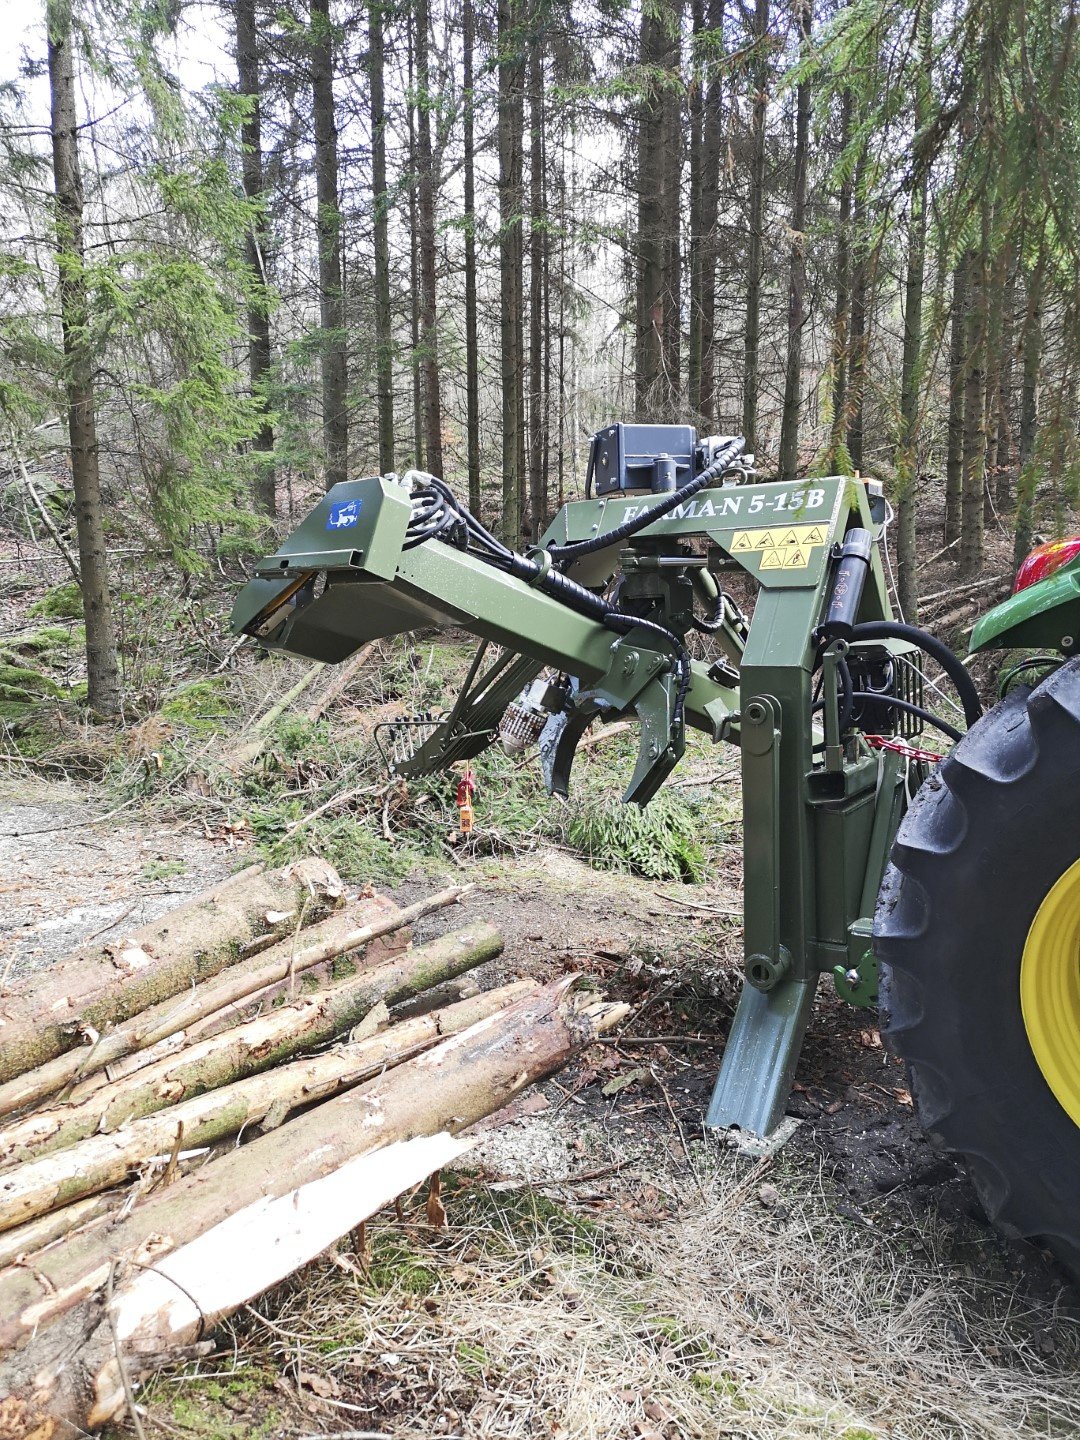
point(787, 548)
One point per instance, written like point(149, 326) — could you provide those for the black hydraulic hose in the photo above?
point(895, 703)
point(930, 645)
point(565, 554)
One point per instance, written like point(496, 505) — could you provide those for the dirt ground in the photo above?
point(610, 1268)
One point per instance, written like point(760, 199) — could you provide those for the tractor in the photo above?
point(941, 885)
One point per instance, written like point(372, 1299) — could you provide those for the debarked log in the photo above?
point(103, 984)
point(243, 1050)
point(374, 915)
point(62, 1367)
point(103, 1160)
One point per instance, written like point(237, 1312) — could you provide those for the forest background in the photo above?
point(249, 250)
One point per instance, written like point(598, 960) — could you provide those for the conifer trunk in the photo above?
point(511, 130)
point(384, 341)
point(472, 329)
point(256, 244)
point(954, 465)
point(102, 675)
point(333, 354)
point(429, 334)
point(759, 73)
point(789, 424)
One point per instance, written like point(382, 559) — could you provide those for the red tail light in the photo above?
point(1044, 560)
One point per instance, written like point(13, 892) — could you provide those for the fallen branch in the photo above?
point(244, 1050)
point(101, 985)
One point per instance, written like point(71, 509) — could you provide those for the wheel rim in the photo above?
point(1050, 990)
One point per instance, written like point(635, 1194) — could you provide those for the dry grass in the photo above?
point(683, 1310)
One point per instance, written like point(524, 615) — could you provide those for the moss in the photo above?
point(202, 707)
point(21, 689)
point(62, 602)
point(394, 1264)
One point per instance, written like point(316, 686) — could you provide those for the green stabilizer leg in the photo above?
point(762, 1051)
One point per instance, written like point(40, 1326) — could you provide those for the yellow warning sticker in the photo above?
point(786, 548)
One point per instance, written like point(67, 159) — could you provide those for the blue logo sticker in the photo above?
point(343, 514)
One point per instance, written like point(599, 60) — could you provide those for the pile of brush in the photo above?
point(192, 1113)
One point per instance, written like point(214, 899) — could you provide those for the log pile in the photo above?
point(191, 1114)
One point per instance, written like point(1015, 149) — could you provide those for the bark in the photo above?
point(841, 338)
point(696, 128)
point(58, 1345)
point(425, 239)
point(102, 1160)
point(256, 244)
point(537, 516)
point(1005, 371)
point(797, 314)
point(860, 308)
point(911, 369)
point(954, 465)
point(472, 332)
point(511, 129)
point(102, 675)
point(101, 985)
point(333, 354)
point(755, 238)
point(17, 1245)
point(656, 356)
point(414, 267)
point(178, 1015)
point(380, 198)
point(711, 147)
point(1029, 416)
point(974, 474)
point(244, 1050)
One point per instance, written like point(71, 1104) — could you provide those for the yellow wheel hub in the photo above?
point(1050, 990)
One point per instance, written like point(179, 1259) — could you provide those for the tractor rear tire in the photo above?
point(995, 1075)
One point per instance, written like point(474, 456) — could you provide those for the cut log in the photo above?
point(56, 1372)
point(26, 1240)
point(244, 1050)
point(335, 935)
point(101, 985)
point(103, 1160)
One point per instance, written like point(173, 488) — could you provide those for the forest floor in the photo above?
point(610, 1268)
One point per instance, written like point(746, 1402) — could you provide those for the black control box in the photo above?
point(655, 458)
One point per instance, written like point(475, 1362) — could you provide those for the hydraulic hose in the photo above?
point(564, 554)
point(930, 645)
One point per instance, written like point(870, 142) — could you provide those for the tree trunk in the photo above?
point(1029, 416)
point(256, 245)
point(954, 466)
point(333, 354)
point(656, 355)
point(971, 512)
point(860, 317)
point(102, 676)
point(446, 1089)
point(792, 412)
point(414, 262)
point(100, 1160)
point(380, 200)
point(511, 131)
point(472, 330)
point(1004, 459)
point(101, 985)
point(537, 516)
point(244, 1050)
point(696, 130)
point(221, 997)
point(841, 337)
point(429, 334)
point(759, 73)
point(907, 458)
point(711, 147)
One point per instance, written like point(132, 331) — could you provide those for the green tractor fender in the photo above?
point(1044, 616)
